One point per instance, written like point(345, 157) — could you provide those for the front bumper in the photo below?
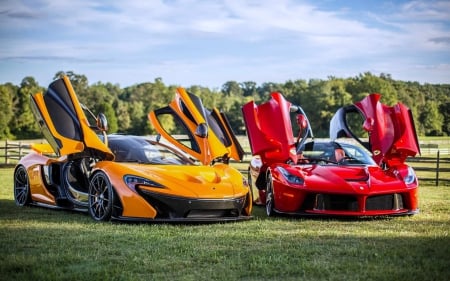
point(320, 204)
point(173, 208)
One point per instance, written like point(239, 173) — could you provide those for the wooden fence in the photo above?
point(12, 151)
point(440, 166)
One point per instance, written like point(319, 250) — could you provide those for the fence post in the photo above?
point(20, 150)
point(437, 169)
point(6, 152)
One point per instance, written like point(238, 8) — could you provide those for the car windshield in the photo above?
point(140, 150)
point(336, 153)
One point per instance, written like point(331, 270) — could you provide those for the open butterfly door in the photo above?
point(64, 123)
point(204, 134)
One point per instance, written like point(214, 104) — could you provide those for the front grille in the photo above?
point(178, 207)
point(384, 202)
point(334, 202)
point(213, 213)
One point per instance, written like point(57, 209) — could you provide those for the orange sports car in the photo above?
point(129, 177)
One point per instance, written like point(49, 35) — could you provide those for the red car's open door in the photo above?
point(269, 129)
point(392, 134)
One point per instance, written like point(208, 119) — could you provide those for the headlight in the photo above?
point(410, 177)
point(290, 177)
point(132, 181)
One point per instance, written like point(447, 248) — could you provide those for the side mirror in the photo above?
point(202, 130)
point(368, 124)
point(301, 121)
point(102, 122)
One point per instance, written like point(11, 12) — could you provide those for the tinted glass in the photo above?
point(60, 108)
point(135, 149)
point(325, 151)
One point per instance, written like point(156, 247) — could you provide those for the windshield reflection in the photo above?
point(140, 150)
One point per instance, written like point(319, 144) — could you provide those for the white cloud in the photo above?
point(210, 42)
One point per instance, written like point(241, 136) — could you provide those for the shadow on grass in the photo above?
point(10, 211)
point(259, 212)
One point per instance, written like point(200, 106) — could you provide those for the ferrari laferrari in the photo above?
point(360, 171)
point(122, 177)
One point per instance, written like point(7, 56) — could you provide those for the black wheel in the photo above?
point(101, 197)
point(269, 195)
point(22, 193)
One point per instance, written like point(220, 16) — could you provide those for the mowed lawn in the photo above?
point(42, 244)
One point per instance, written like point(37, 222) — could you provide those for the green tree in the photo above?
point(97, 96)
point(234, 117)
point(79, 83)
point(6, 113)
point(367, 83)
point(431, 119)
point(445, 109)
point(138, 118)
point(23, 125)
point(249, 89)
point(232, 88)
point(123, 117)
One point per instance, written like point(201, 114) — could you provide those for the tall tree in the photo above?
point(79, 83)
point(6, 114)
point(249, 89)
point(232, 88)
point(445, 110)
point(24, 126)
point(431, 119)
point(123, 117)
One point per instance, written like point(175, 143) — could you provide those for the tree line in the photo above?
point(127, 108)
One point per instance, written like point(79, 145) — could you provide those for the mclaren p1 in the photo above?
point(126, 177)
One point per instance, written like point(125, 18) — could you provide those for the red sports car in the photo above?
point(340, 177)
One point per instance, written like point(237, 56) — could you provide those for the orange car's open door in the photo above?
point(208, 135)
point(64, 123)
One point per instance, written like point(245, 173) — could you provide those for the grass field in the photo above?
point(41, 244)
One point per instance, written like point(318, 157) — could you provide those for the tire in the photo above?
point(22, 193)
point(101, 197)
point(269, 195)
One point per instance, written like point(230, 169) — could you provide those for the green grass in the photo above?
point(42, 244)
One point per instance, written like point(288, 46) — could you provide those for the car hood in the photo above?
point(392, 134)
point(218, 181)
point(346, 179)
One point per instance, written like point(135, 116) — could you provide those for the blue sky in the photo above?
point(207, 43)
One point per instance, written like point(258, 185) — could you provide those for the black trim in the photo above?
point(342, 114)
point(239, 148)
point(171, 207)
